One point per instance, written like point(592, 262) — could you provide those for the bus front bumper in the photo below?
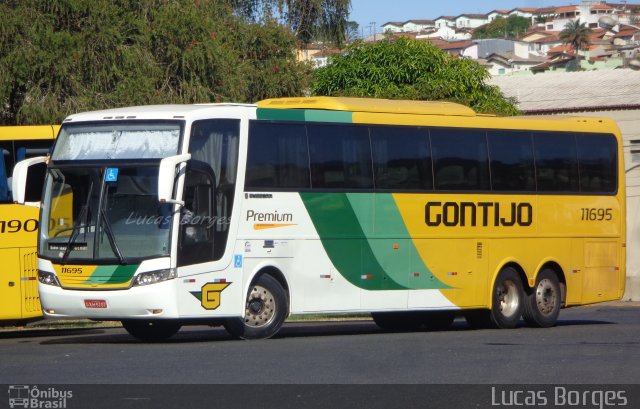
point(149, 301)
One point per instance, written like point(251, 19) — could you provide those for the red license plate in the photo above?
point(95, 303)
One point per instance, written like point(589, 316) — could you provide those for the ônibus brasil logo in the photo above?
point(32, 397)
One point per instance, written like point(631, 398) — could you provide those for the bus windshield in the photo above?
point(108, 210)
point(104, 214)
point(117, 140)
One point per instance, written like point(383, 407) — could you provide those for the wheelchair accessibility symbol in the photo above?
point(111, 175)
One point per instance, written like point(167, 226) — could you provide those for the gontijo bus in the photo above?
point(19, 301)
point(414, 211)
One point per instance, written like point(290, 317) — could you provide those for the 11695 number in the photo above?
point(596, 214)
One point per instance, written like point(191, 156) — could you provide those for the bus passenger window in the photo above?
point(340, 157)
point(512, 167)
point(277, 156)
point(5, 188)
point(401, 158)
point(460, 159)
point(597, 156)
point(556, 162)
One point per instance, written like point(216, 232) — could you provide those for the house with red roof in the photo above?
point(445, 21)
point(471, 20)
point(541, 41)
point(492, 15)
point(409, 26)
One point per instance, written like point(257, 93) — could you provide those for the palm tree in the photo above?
point(578, 35)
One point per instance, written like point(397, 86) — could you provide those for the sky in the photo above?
point(364, 12)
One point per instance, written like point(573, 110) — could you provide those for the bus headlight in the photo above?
point(152, 277)
point(48, 278)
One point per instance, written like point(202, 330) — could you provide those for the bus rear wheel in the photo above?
point(542, 306)
point(507, 299)
point(151, 330)
point(265, 311)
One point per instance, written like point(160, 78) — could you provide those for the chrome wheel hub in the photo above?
point(546, 297)
point(261, 307)
point(508, 298)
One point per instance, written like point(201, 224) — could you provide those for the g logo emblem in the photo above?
point(211, 295)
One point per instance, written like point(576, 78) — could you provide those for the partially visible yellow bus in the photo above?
point(19, 300)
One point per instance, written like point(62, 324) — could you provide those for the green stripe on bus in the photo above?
point(302, 115)
point(346, 224)
point(391, 242)
point(112, 274)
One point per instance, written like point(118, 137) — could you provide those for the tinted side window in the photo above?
point(12, 152)
point(597, 156)
point(197, 235)
point(277, 156)
point(401, 158)
point(556, 162)
point(460, 159)
point(340, 157)
point(511, 156)
point(215, 143)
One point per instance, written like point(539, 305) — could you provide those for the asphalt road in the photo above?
point(593, 344)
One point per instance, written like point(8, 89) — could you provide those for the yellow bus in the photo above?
point(415, 212)
point(19, 301)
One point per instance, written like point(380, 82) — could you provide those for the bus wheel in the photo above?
point(151, 330)
point(438, 321)
point(542, 306)
point(507, 299)
point(265, 311)
point(397, 321)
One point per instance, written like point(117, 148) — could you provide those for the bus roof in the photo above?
point(369, 105)
point(176, 111)
point(28, 132)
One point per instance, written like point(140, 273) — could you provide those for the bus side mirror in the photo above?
point(167, 178)
point(19, 179)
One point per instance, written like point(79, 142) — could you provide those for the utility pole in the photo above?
point(373, 25)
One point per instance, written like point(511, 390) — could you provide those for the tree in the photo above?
point(61, 57)
point(503, 28)
point(309, 20)
point(578, 35)
point(353, 31)
point(409, 69)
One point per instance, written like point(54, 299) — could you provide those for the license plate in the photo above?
point(95, 303)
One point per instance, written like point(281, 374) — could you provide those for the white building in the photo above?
point(470, 20)
point(445, 21)
point(409, 26)
point(447, 33)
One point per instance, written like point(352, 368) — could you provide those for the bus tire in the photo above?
point(397, 321)
point(507, 300)
point(542, 306)
point(152, 330)
point(266, 309)
point(438, 320)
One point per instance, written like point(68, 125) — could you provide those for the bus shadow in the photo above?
point(49, 332)
point(196, 334)
point(576, 322)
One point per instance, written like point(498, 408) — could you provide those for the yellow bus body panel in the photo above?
point(19, 300)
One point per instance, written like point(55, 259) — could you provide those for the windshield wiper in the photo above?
point(111, 237)
point(77, 226)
